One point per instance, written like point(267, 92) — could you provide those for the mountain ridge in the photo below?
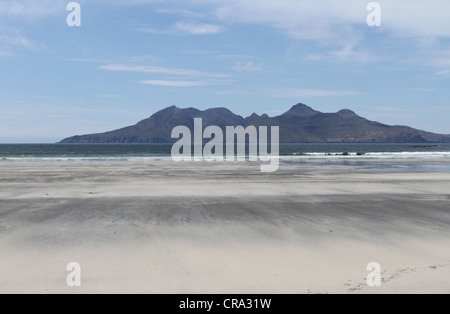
point(300, 124)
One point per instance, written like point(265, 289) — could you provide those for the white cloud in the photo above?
point(247, 67)
point(174, 83)
point(439, 58)
point(444, 73)
point(190, 28)
point(143, 58)
point(328, 19)
point(18, 12)
point(150, 30)
point(86, 60)
point(11, 39)
point(198, 28)
point(158, 70)
point(29, 9)
point(312, 93)
point(346, 54)
point(322, 20)
point(182, 12)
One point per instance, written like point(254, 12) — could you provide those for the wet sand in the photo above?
point(165, 227)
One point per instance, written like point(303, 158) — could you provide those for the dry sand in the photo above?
point(164, 227)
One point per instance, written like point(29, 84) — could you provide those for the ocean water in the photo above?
point(130, 152)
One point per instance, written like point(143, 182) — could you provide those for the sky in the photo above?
point(130, 59)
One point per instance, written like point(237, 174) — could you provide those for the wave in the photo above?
point(376, 155)
point(318, 155)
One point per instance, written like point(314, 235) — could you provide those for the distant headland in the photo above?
point(301, 124)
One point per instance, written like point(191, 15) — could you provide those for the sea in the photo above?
point(143, 152)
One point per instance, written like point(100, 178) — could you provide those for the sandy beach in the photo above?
point(166, 227)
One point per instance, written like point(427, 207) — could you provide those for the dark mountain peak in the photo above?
point(265, 116)
point(254, 117)
point(174, 113)
point(301, 106)
point(219, 110)
point(220, 116)
point(347, 113)
point(302, 110)
point(167, 110)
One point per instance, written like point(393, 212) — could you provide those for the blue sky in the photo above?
point(132, 58)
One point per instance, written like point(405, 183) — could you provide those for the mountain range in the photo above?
point(301, 124)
